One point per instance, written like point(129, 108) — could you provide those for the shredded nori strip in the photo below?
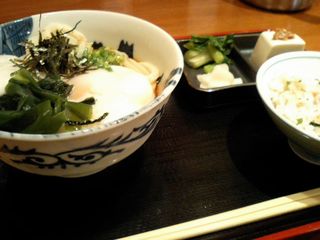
point(56, 57)
point(315, 124)
point(96, 45)
point(89, 100)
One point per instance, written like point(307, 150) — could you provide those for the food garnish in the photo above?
point(282, 34)
point(35, 99)
point(56, 57)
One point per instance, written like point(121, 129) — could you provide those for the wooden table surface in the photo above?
point(185, 17)
point(182, 18)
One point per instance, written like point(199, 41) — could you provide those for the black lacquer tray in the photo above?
point(202, 159)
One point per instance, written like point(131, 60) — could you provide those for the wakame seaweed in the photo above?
point(29, 108)
point(56, 85)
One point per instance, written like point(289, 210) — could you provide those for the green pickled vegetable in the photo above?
point(196, 59)
point(202, 50)
point(208, 68)
point(215, 54)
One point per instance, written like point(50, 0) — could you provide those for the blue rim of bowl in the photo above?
point(172, 82)
point(269, 64)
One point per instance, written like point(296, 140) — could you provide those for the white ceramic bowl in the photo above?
point(81, 153)
point(304, 64)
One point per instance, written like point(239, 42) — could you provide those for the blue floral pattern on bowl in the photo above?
point(48, 155)
point(81, 156)
point(13, 34)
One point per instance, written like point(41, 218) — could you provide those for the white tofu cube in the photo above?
point(266, 47)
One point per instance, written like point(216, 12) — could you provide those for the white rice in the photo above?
point(298, 100)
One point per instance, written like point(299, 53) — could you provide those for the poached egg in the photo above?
point(118, 92)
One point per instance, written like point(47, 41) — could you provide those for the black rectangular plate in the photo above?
point(241, 67)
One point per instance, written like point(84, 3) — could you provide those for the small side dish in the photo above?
point(220, 76)
point(289, 84)
point(274, 42)
point(297, 98)
point(211, 55)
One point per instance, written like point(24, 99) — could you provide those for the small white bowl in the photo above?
point(81, 153)
point(305, 64)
